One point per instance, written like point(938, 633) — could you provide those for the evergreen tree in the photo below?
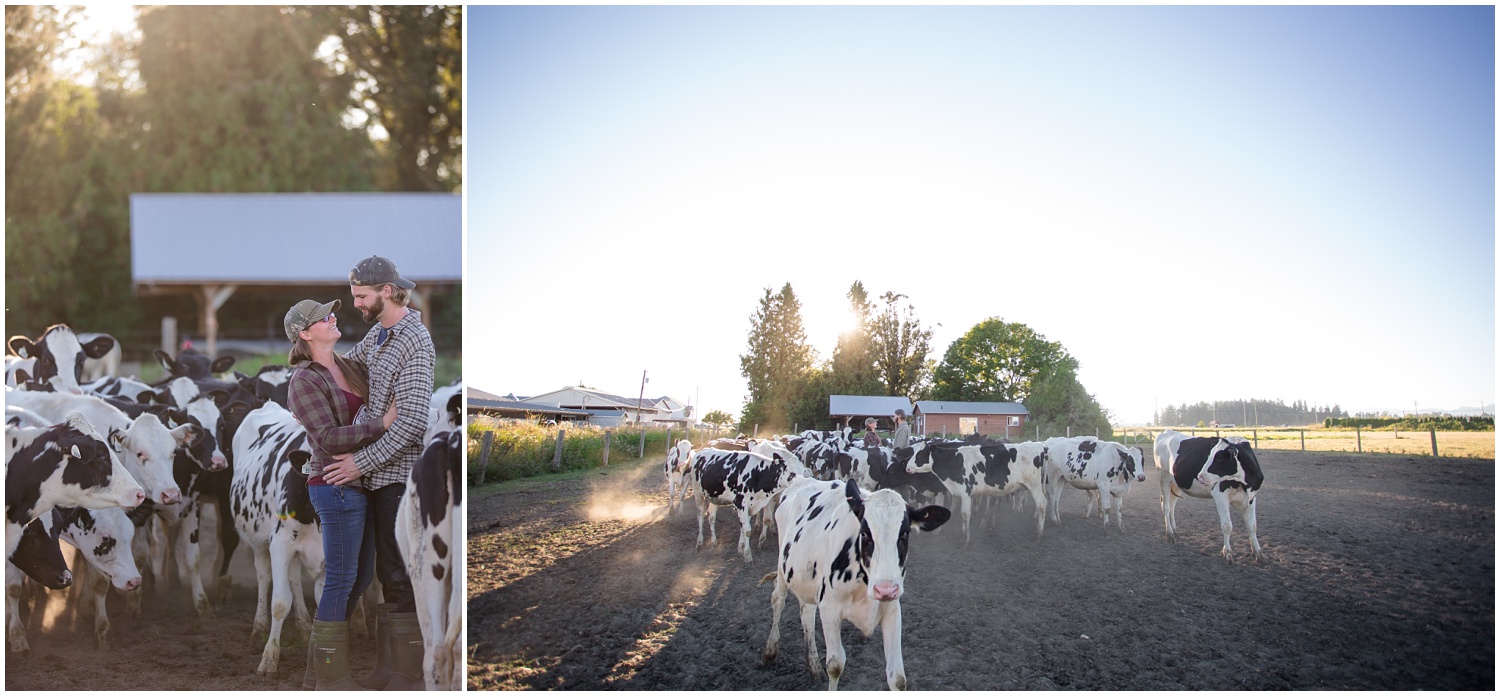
point(776, 362)
point(852, 368)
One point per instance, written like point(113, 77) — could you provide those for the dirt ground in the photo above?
point(167, 648)
point(1380, 574)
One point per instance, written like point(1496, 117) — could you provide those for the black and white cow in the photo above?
point(104, 540)
point(38, 557)
point(745, 480)
point(989, 469)
point(271, 383)
point(843, 554)
point(274, 517)
point(67, 465)
point(677, 469)
point(107, 365)
point(429, 522)
point(58, 356)
point(1223, 469)
point(127, 388)
point(1100, 467)
point(146, 446)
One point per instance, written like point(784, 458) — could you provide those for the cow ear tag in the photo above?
point(76, 453)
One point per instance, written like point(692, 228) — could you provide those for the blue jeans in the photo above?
point(341, 510)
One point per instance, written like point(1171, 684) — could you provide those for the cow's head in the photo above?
point(920, 459)
point(1222, 467)
point(192, 364)
point(91, 473)
point(204, 416)
point(147, 447)
point(104, 540)
point(1135, 463)
point(58, 358)
point(39, 557)
point(885, 522)
point(679, 456)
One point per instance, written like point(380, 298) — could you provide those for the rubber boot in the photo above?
point(382, 674)
point(310, 676)
point(331, 656)
point(407, 651)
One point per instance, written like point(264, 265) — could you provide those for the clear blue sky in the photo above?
point(1198, 203)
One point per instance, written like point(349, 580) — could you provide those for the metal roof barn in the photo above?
point(211, 244)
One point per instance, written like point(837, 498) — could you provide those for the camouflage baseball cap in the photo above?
point(378, 270)
point(305, 314)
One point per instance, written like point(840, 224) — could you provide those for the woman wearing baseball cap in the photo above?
point(325, 393)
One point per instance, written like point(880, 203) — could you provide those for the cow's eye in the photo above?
point(141, 456)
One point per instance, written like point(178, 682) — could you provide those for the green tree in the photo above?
point(851, 370)
point(997, 361)
point(718, 418)
point(777, 360)
point(409, 65)
point(1058, 401)
point(899, 345)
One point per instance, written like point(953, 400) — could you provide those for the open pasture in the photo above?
point(1379, 575)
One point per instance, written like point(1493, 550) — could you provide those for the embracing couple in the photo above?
point(365, 413)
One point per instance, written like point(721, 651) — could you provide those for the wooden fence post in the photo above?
point(643, 442)
point(1256, 434)
point(606, 447)
point(1303, 435)
point(557, 453)
point(1359, 445)
point(1433, 430)
point(484, 453)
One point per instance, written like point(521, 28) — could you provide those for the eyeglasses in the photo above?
point(329, 319)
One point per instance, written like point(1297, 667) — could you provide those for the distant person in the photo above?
point(325, 392)
point(401, 358)
point(902, 436)
point(871, 438)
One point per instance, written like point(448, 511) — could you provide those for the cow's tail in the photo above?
point(769, 577)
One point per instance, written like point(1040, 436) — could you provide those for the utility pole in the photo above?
point(641, 397)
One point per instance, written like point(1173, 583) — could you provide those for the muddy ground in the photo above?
point(168, 647)
point(1379, 574)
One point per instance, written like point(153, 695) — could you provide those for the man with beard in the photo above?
point(401, 359)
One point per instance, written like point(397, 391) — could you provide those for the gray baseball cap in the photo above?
point(378, 270)
point(305, 314)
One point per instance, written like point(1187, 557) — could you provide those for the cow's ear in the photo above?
point(21, 346)
point(219, 396)
point(166, 361)
point(117, 440)
point(146, 397)
point(173, 415)
point(222, 364)
point(99, 347)
point(856, 501)
point(299, 459)
point(930, 517)
point(187, 434)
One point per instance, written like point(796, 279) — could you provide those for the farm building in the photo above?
point(994, 419)
point(610, 410)
point(853, 410)
point(479, 402)
point(239, 255)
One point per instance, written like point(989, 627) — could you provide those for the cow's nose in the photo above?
point(67, 578)
point(886, 591)
point(140, 497)
point(169, 497)
point(911, 469)
point(218, 463)
point(132, 584)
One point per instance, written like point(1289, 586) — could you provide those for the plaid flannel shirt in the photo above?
point(319, 405)
point(400, 369)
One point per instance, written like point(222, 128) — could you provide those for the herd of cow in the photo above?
point(844, 513)
point(127, 472)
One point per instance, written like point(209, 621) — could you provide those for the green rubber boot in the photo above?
point(331, 656)
point(382, 674)
point(310, 676)
point(407, 650)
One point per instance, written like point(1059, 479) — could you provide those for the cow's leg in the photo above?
point(703, 508)
point(713, 518)
point(262, 622)
point(671, 491)
point(745, 522)
point(1226, 525)
point(778, 600)
point(890, 628)
point(834, 644)
point(1039, 497)
point(281, 605)
point(1247, 512)
point(809, 615)
point(160, 553)
point(966, 505)
point(188, 539)
point(15, 631)
point(98, 591)
point(1054, 495)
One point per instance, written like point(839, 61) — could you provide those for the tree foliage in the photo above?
point(851, 370)
point(776, 361)
point(717, 417)
point(899, 345)
point(998, 360)
point(1058, 402)
point(1248, 412)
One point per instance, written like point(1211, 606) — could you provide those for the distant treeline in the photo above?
point(1479, 423)
point(1248, 413)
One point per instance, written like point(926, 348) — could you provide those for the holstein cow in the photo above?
point(275, 518)
point(59, 357)
point(67, 465)
point(122, 387)
point(676, 469)
point(1224, 469)
point(990, 469)
point(745, 480)
point(145, 445)
point(843, 554)
point(429, 532)
point(38, 557)
point(1100, 467)
point(103, 539)
point(107, 365)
